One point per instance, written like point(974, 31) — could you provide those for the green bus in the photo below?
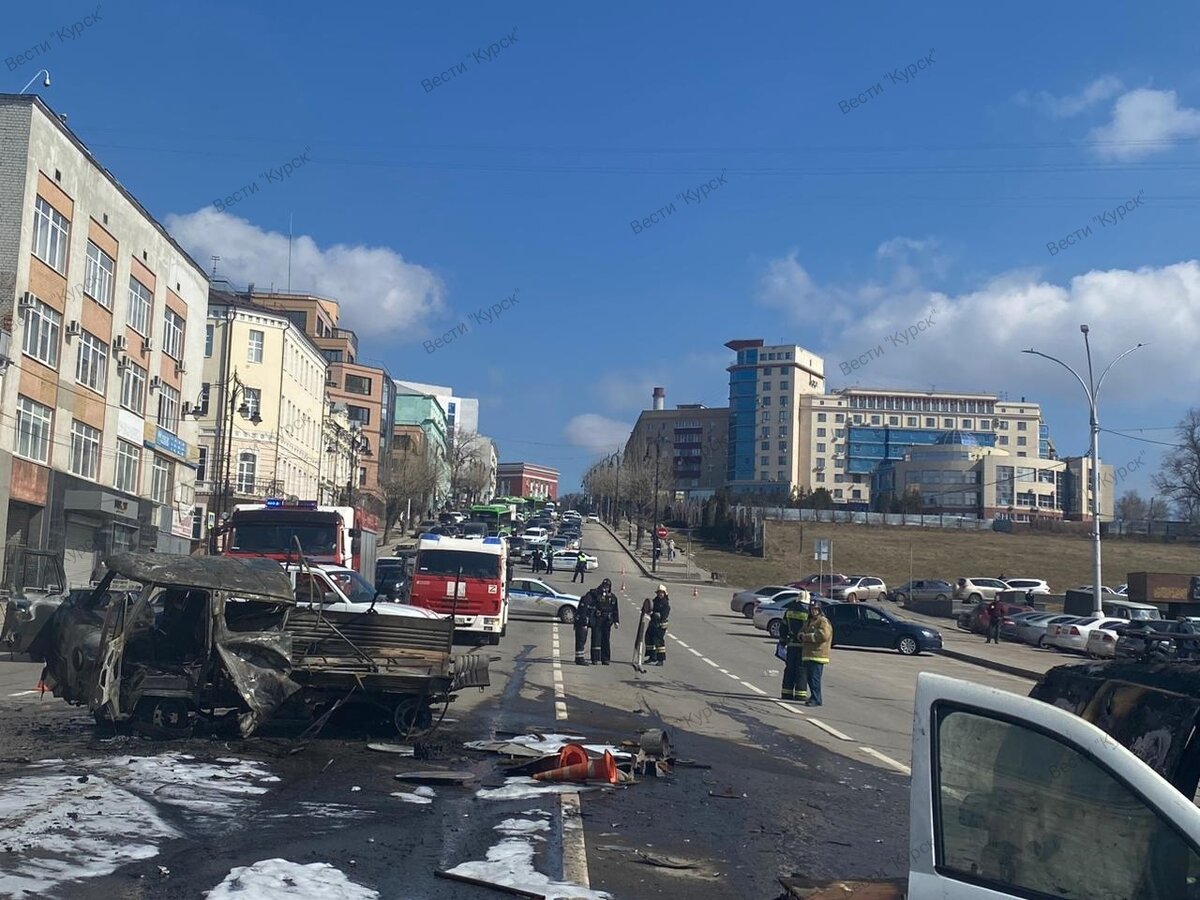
point(497, 516)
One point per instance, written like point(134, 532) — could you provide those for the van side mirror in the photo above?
point(330, 597)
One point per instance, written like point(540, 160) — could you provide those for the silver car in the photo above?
point(533, 597)
point(1033, 630)
point(769, 616)
point(859, 589)
point(746, 602)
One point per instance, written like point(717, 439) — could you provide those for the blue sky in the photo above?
point(523, 172)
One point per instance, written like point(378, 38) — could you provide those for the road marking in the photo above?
point(734, 677)
point(829, 729)
point(24, 693)
point(790, 708)
point(694, 651)
point(560, 693)
point(756, 690)
point(886, 760)
point(574, 852)
point(710, 662)
point(679, 642)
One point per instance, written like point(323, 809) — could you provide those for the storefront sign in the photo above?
point(158, 438)
point(130, 427)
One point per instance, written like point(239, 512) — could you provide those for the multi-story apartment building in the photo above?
point(419, 433)
point(766, 385)
point(462, 413)
point(698, 438)
point(106, 314)
point(522, 479)
point(367, 392)
point(261, 406)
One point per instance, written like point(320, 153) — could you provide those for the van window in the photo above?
point(1016, 810)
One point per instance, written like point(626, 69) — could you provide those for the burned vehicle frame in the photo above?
point(199, 637)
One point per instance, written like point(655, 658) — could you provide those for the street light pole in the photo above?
point(1091, 389)
point(654, 546)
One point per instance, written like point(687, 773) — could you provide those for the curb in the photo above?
point(637, 562)
point(991, 664)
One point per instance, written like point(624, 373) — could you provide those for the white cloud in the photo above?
point(379, 291)
point(1064, 107)
point(1145, 121)
point(597, 433)
point(975, 338)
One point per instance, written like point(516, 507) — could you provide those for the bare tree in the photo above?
point(412, 480)
point(1178, 477)
point(1130, 507)
point(465, 455)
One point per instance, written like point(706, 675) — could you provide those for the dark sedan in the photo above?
point(860, 625)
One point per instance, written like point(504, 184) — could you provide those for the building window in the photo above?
point(985, 424)
point(33, 429)
point(893, 420)
point(85, 450)
point(91, 368)
point(359, 414)
point(209, 329)
point(197, 522)
point(820, 477)
point(140, 300)
point(129, 464)
point(160, 480)
point(766, 417)
point(930, 422)
point(766, 370)
point(362, 476)
point(766, 401)
point(783, 385)
point(820, 464)
point(783, 431)
point(765, 431)
point(98, 275)
point(820, 417)
point(820, 432)
point(764, 461)
point(911, 421)
point(247, 471)
point(357, 384)
point(43, 330)
point(820, 448)
point(968, 424)
point(1021, 441)
point(1021, 426)
point(173, 326)
point(783, 461)
point(202, 466)
point(764, 445)
point(1003, 439)
point(50, 232)
point(876, 420)
point(133, 388)
point(168, 408)
point(205, 396)
point(254, 352)
point(253, 398)
point(783, 446)
point(766, 386)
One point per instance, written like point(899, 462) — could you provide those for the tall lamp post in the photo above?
point(1091, 388)
point(235, 402)
point(654, 545)
point(356, 447)
point(614, 462)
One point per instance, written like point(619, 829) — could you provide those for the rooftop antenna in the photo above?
point(215, 260)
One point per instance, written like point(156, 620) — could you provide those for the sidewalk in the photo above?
point(680, 570)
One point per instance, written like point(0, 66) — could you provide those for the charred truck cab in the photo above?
point(199, 637)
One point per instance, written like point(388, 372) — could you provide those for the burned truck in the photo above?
point(218, 639)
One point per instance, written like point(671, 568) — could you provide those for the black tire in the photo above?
point(1041, 642)
point(975, 598)
point(566, 615)
point(941, 597)
point(908, 646)
point(774, 627)
point(899, 598)
point(748, 610)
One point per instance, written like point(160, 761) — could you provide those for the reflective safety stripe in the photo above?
point(816, 659)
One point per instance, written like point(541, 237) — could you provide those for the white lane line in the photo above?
point(694, 651)
point(756, 690)
point(734, 677)
point(886, 760)
point(829, 729)
point(23, 693)
point(574, 852)
point(710, 662)
point(560, 711)
point(560, 693)
point(678, 641)
point(790, 708)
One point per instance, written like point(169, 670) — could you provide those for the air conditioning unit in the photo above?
point(147, 345)
point(122, 362)
point(120, 343)
point(155, 383)
point(180, 368)
point(73, 328)
point(27, 301)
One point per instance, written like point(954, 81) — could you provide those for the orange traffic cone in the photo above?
point(603, 769)
point(571, 755)
point(695, 592)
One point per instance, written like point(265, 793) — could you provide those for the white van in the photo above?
point(1128, 609)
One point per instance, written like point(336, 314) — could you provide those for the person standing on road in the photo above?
point(583, 621)
point(791, 633)
point(605, 618)
point(550, 561)
point(580, 567)
point(818, 640)
point(994, 614)
point(656, 640)
point(639, 643)
point(671, 549)
point(536, 561)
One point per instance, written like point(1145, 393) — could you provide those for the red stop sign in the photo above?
point(661, 531)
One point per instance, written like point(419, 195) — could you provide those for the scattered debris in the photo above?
point(727, 795)
point(398, 749)
point(666, 862)
point(421, 796)
point(279, 879)
point(435, 776)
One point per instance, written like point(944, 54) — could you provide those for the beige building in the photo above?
point(694, 437)
point(102, 320)
point(275, 375)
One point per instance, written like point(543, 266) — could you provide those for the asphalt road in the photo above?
point(777, 789)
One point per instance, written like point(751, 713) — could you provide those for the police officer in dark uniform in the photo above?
point(605, 617)
point(795, 617)
point(583, 620)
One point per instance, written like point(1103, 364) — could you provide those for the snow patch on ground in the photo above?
point(421, 795)
point(524, 788)
point(278, 879)
point(523, 827)
point(510, 863)
point(69, 821)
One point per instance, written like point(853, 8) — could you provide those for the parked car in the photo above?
point(975, 620)
point(593, 519)
point(1028, 585)
point(859, 625)
point(926, 589)
point(973, 590)
point(859, 589)
point(535, 536)
point(1091, 589)
point(768, 617)
point(1122, 589)
point(746, 602)
point(566, 560)
point(1101, 643)
point(1010, 626)
point(1073, 636)
point(425, 527)
point(1033, 631)
point(819, 584)
point(533, 597)
point(392, 576)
